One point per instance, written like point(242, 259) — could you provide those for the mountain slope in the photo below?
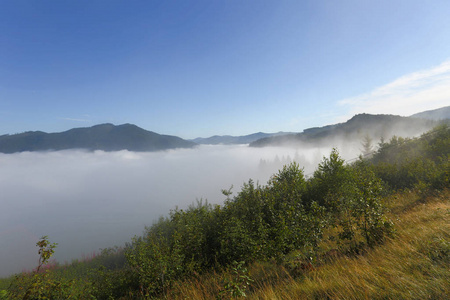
point(231, 140)
point(107, 137)
point(361, 125)
point(435, 114)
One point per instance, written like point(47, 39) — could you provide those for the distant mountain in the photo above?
point(355, 129)
point(107, 137)
point(435, 114)
point(233, 140)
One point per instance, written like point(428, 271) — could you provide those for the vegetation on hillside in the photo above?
point(334, 235)
point(375, 126)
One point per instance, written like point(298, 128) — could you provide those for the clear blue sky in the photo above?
point(199, 68)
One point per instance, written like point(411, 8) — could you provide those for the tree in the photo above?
point(367, 146)
point(350, 194)
point(40, 284)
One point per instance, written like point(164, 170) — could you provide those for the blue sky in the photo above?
point(199, 68)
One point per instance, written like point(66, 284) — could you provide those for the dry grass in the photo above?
point(413, 264)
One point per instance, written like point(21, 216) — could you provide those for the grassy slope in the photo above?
point(414, 264)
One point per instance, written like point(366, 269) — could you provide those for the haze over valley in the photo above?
point(90, 199)
point(115, 113)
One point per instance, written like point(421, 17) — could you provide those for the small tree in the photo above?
point(367, 146)
point(40, 284)
point(351, 196)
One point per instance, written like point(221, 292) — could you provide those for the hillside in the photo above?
point(358, 127)
point(107, 137)
point(355, 129)
point(435, 114)
point(413, 264)
point(234, 140)
point(376, 228)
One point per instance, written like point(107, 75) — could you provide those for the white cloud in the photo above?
point(409, 94)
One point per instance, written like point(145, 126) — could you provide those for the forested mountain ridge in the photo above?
point(107, 137)
point(375, 126)
point(359, 126)
point(233, 140)
point(435, 114)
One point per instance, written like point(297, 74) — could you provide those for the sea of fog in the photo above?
point(86, 201)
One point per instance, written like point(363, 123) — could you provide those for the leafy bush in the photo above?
point(407, 163)
point(237, 285)
point(154, 262)
point(42, 283)
point(350, 195)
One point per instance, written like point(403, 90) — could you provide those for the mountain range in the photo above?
point(435, 114)
point(235, 140)
point(109, 137)
point(375, 126)
point(361, 126)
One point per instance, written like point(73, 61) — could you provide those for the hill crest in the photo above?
point(107, 137)
point(356, 128)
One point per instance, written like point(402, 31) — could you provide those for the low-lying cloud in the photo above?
point(85, 201)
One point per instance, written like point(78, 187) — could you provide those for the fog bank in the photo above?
point(85, 201)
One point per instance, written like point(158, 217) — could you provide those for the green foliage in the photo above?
point(350, 195)
point(155, 263)
point(284, 210)
point(105, 276)
point(44, 284)
point(365, 207)
point(264, 222)
point(260, 223)
point(236, 241)
point(330, 181)
point(243, 235)
point(110, 283)
point(438, 249)
point(46, 251)
point(238, 284)
point(197, 229)
point(367, 146)
point(420, 162)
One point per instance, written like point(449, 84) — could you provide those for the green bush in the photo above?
point(154, 262)
point(421, 162)
point(43, 283)
point(350, 195)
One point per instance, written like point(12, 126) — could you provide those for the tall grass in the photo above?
point(413, 264)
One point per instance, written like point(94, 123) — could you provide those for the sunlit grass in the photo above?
point(412, 264)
